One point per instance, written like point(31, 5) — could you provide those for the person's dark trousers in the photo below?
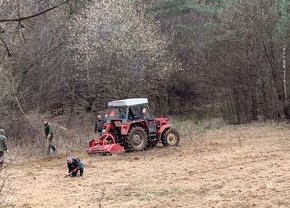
point(1, 159)
point(51, 146)
point(81, 171)
point(75, 173)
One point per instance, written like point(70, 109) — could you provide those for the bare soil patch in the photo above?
point(241, 166)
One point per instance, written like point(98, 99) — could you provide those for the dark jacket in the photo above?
point(75, 165)
point(48, 130)
point(3, 144)
point(99, 125)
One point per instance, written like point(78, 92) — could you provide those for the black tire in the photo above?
point(136, 139)
point(170, 137)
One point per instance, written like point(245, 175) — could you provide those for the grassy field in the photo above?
point(215, 166)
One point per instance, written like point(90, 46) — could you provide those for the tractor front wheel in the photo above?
point(137, 139)
point(170, 137)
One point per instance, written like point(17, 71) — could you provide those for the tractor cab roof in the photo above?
point(128, 102)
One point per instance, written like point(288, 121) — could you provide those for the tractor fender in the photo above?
point(162, 129)
point(126, 127)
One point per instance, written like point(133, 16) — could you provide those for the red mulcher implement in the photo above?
point(106, 144)
point(131, 127)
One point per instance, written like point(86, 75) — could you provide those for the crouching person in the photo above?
point(74, 165)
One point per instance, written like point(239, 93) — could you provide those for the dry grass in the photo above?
point(215, 166)
point(32, 143)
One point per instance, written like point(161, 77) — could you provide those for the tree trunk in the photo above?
point(254, 107)
point(269, 51)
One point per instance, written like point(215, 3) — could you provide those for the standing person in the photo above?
point(3, 146)
point(49, 137)
point(74, 165)
point(99, 125)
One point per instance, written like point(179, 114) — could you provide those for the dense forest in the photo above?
point(229, 55)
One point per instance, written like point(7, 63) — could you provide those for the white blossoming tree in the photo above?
point(119, 53)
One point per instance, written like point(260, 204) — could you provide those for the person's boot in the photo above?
point(54, 149)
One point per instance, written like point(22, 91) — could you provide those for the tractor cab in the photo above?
point(129, 110)
point(126, 113)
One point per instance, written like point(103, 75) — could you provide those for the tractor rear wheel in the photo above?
point(170, 137)
point(136, 139)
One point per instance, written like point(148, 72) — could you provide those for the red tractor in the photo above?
point(130, 126)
